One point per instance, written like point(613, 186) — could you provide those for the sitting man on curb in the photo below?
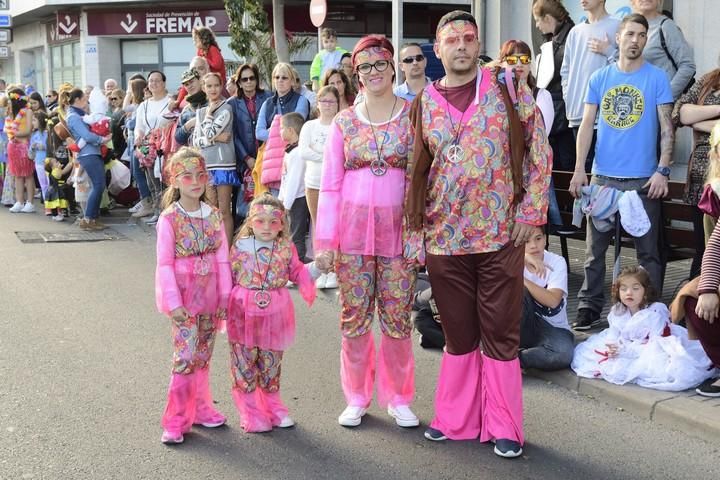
point(546, 341)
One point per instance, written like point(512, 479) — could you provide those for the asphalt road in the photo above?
point(84, 366)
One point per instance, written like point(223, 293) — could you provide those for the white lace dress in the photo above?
point(652, 352)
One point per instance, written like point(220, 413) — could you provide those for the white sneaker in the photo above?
point(286, 422)
point(403, 416)
point(28, 208)
point(331, 281)
point(351, 416)
point(145, 210)
point(321, 281)
point(58, 218)
point(135, 208)
point(17, 208)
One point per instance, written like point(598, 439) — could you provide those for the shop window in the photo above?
point(140, 52)
point(65, 62)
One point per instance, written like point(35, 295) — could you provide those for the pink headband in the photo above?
point(179, 165)
point(260, 209)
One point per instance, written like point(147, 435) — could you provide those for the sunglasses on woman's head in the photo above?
point(514, 59)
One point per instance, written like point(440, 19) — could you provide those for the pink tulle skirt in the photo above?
point(270, 328)
point(199, 292)
point(19, 165)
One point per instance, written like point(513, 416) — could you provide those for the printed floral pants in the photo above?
point(194, 340)
point(365, 279)
point(254, 367)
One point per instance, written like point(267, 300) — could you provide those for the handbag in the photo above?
point(709, 202)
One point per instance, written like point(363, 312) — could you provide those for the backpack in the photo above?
point(663, 44)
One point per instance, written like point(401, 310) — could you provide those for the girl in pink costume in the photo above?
point(359, 222)
point(192, 287)
point(261, 316)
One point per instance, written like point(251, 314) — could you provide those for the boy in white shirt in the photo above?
point(546, 341)
point(292, 182)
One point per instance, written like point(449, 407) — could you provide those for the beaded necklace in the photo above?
point(14, 124)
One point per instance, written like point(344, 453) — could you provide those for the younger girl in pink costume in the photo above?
point(192, 287)
point(359, 220)
point(261, 316)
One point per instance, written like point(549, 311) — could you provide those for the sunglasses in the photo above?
point(379, 66)
point(249, 79)
point(280, 77)
point(514, 59)
point(187, 178)
point(416, 58)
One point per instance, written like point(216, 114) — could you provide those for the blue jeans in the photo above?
point(543, 346)
point(137, 173)
point(95, 168)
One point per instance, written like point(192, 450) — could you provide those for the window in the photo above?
point(65, 61)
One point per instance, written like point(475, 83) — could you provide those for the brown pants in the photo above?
point(479, 298)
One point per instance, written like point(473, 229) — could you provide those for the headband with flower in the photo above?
point(17, 96)
point(181, 164)
point(261, 209)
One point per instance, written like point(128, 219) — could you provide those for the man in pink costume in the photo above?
point(360, 213)
point(481, 172)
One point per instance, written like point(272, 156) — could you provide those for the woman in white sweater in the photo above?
point(312, 148)
point(149, 117)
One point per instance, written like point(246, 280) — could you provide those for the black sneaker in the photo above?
point(507, 448)
point(435, 435)
point(586, 319)
point(707, 389)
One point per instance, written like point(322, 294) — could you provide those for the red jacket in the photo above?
point(215, 60)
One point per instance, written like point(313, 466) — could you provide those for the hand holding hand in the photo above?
point(179, 315)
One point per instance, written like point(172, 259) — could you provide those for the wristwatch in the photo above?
point(664, 171)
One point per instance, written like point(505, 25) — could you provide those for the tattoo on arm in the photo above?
point(667, 131)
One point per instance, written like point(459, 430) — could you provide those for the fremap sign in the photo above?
point(155, 22)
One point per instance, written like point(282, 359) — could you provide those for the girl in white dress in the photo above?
point(641, 345)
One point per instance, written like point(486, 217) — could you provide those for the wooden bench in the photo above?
point(676, 243)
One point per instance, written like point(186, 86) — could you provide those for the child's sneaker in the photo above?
point(17, 208)
point(170, 437)
point(28, 208)
point(286, 422)
point(331, 281)
point(58, 218)
point(321, 281)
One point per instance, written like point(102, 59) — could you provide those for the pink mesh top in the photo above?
point(360, 212)
point(193, 270)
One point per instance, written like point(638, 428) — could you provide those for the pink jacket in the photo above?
point(274, 153)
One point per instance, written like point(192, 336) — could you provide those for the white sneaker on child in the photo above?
point(331, 281)
point(58, 218)
point(17, 208)
point(320, 282)
point(28, 208)
point(351, 416)
point(286, 422)
point(403, 416)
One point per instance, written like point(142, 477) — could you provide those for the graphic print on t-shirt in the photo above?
point(622, 106)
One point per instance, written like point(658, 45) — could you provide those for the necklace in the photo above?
point(455, 152)
point(15, 124)
point(262, 297)
point(202, 265)
point(379, 166)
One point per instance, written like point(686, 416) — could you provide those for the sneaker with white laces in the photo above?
point(28, 208)
point(403, 416)
point(152, 220)
point(351, 416)
point(331, 281)
point(17, 208)
point(321, 281)
point(135, 207)
point(286, 422)
point(58, 218)
point(145, 210)
point(170, 437)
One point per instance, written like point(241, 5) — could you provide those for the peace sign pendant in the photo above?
point(262, 299)
point(455, 153)
point(378, 167)
point(201, 266)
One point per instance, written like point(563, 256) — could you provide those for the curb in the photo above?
point(686, 411)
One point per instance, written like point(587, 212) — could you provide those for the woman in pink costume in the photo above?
point(192, 287)
point(261, 318)
point(360, 223)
